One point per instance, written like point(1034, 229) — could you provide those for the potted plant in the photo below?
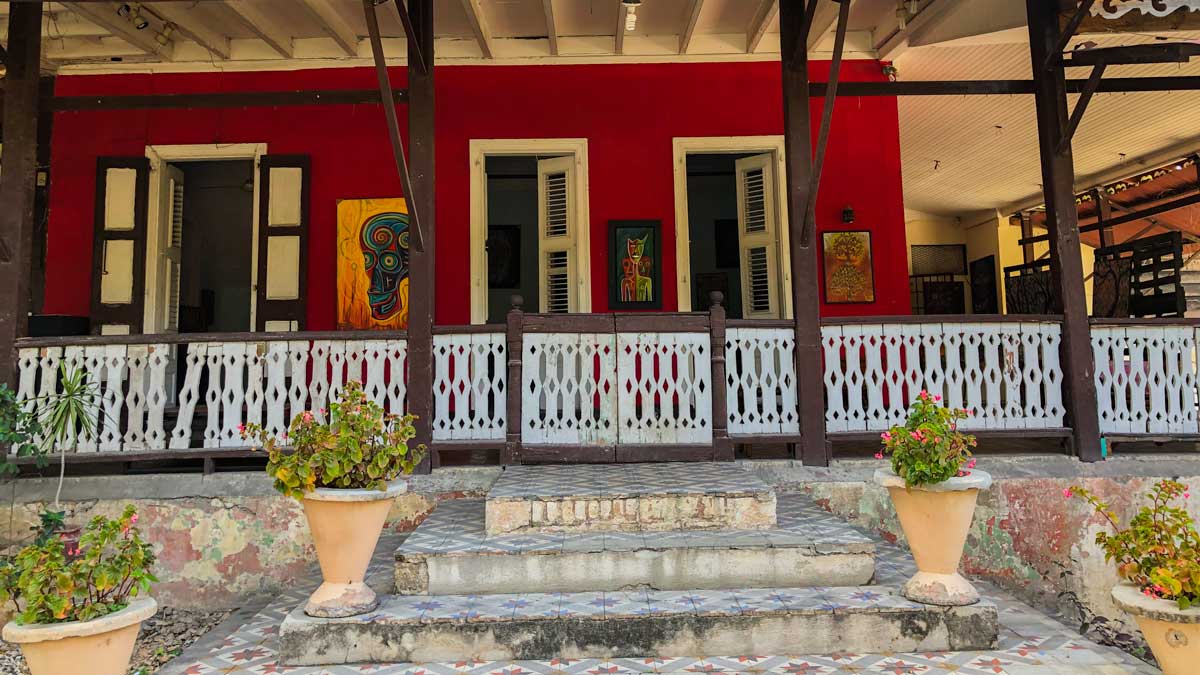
point(933, 485)
point(80, 604)
point(1158, 559)
point(344, 473)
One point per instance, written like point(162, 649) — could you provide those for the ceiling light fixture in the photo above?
point(630, 13)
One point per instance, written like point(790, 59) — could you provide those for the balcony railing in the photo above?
point(605, 384)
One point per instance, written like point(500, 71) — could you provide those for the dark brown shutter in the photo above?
point(119, 245)
point(282, 241)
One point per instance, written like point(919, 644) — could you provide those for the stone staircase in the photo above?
point(611, 561)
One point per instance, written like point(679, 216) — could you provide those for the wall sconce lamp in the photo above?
point(848, 215)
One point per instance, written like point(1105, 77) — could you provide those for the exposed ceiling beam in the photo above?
point(619, 36)
point(262, 25)
point(479, 25)
point(90, 49)
point(823, 20)
point(334, 25)
point(105, 15)
point(551, 27)
point(758, 27)
point(193, 27)
point(689, 28)
point(931, 11)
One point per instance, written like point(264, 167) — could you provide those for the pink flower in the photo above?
point(1067, 493)
point(924, 394)
point(307, 416)
point(133, 519)
point(1187, 495)
point(322, 412)
point(971, 464)
point(886, 436)
point(937, 397)
point(879, 455)
point(242, 428)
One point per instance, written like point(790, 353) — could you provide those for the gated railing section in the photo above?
point(469, 392)
point(761, 380)
point(1146, 378)
point(569, 388)
point(1007, 373)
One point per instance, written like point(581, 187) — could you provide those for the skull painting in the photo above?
point(384, 242)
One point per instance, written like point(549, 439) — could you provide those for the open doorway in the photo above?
point(528, 227)
point(205, 252)
point(734, 228)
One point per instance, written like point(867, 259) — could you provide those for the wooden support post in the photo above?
point(1028, 255)
point(1062, 222)
point(1103, 213)
point(515, 347)
point(722, 445)
point(421, 263)
point(18, 177)
point(806, 302)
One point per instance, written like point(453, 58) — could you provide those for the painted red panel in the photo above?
point(628, 113)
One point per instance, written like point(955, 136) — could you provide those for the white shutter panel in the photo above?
point(119, 245)
point(282, 242)
point(758, 237)
point(172, 251)
point(557, 236)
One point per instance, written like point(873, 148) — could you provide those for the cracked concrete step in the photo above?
point(451, 552)
point(629, 624)
point(628, 497)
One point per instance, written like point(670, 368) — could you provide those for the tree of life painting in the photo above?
point(372, 264)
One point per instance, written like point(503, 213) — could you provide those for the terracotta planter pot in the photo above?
point(101, 646)
point(345, 526)
point(936, 519)
point(1173, 633)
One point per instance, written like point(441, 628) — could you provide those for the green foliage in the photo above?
point(360, 447)
point(49, 525)
point(30, 428)
point(929, 449)
point(1160, 549)
point(51, 582)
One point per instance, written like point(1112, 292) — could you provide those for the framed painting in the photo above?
point(849, 275)
point(372, 264)
point(635, 260)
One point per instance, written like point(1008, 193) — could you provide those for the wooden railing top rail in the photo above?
point(942, 318)
point(188, 338)
point(1148, 322)
point(656, 322)
point(469, 329)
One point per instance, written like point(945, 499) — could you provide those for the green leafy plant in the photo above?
point(928, 448)
point(50, 523)
point(359, 447)
point(52, 583)
point(1159, 551)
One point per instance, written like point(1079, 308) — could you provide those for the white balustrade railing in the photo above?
point(1146, 379)
point(469, 374)
point(760, 391)
point(1007, 374)
point(244, 382)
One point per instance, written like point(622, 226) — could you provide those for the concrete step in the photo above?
point(451, 552)
point(628, 497)
point(630, 624)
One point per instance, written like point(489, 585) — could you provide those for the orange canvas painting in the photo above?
point(372, 264)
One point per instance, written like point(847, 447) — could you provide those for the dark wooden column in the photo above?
point(421, 263)
point(1062, 221)
point(515, 340)
point(722, 445)
point(806, 302)
point(18, 177)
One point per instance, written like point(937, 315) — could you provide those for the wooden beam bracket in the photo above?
point(389, 111)
point(1068, 32)
point(411, 35)
point(839, 44)
point(1085, 97)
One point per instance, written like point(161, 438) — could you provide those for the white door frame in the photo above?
point(481, 148)
point(712, 145)
point(164, 154)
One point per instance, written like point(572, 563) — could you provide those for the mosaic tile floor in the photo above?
point(457, 528)
point(1031, 643)
point(624, 480)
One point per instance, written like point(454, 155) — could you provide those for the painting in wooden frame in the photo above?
point(849, 272)
point(635, 255)
point(372, 264)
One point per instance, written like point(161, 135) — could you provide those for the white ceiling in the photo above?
point(961, 155)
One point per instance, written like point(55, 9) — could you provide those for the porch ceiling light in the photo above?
point(630, 13)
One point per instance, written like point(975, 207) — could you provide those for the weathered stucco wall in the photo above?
point(225, 537)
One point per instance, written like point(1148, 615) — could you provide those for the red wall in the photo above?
point(628, 113)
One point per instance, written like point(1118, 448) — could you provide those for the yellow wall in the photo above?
point(1010, 253)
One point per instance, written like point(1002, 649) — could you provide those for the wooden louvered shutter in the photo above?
point(282, 242)
point(758, 237)
point(557, 235)
point(119, 245)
